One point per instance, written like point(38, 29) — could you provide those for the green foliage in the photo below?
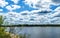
point(1, 19)
point(3, 34)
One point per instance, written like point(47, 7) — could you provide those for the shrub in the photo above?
point(3, 34)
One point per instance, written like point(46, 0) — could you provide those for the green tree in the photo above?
point(1, 19)
point(3, 34)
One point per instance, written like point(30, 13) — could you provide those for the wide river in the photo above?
point(37, 32)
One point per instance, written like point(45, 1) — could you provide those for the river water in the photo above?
point(37, 32)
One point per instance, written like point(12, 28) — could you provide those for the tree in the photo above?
point(1, 19)
point(3, 34)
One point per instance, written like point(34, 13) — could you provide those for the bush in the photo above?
point(3, 34)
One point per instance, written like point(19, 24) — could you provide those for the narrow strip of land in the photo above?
point(43, 25)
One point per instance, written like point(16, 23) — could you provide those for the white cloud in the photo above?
point(13, 7)
point(41, 4)
point(38, 3)
point(31, 18)
point(57, 9)
point(16, 6)
point(1, 9)
point(3, 3)
point(56, 12)
point(9, 8)
point(56, 1)
point(18, 18)
point(15, 1)
point(31, 2)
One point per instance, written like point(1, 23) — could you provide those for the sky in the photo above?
point(30, 11)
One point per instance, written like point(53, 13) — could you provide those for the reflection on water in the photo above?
point(37, 32)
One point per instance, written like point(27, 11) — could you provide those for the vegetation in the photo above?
point(1, 19)
point(3, 34)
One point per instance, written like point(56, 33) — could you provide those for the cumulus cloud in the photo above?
point(3, 3)
point(42, 4)
point(13, 7)
point(44, 15)
point(31, 2)
point(18, 18)
point(57, 11)
point(15, 1)
point(33, 17)
point(1, 10)
point(56, 1)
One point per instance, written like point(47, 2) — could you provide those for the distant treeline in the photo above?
point(26, 25)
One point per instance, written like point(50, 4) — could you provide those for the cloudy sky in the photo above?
point(30, 11)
